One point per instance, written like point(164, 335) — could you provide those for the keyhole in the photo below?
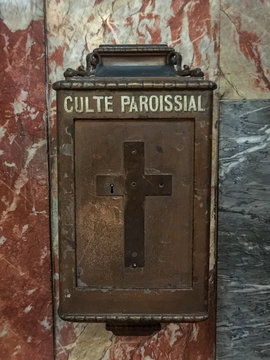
point(111, 186)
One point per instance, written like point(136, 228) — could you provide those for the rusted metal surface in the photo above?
point(134, 165)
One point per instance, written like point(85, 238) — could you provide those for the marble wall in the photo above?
point(244, 153)
point(244, 49)
point(243, 243)
point(73, 31)
point(230, 41)
point(26, 326)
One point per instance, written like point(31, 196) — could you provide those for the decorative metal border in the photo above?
point(168, 83)
point(94, 58)
point(134, 318)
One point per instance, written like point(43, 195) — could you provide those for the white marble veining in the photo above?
point(243, 329)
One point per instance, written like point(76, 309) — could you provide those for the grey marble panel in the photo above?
point(243, 330)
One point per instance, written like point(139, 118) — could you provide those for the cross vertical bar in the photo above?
point(134, 206)
point(135, 185)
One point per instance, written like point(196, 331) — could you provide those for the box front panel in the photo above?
point(134, 189)
point(165, 230)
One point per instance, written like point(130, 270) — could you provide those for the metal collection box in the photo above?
point(134, 169)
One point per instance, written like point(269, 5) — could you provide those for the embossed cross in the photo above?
point(134, 185)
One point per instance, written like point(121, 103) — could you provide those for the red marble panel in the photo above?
point(25, 284)
point(244, 57)
point(193, 341)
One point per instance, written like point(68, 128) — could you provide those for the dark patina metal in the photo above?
point(142, 53)
point(134, 185)
point(134, 169)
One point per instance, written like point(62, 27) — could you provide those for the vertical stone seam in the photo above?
point(47, 135)
point(217, 98)
point(214, 156)
point(215, 183)
point(219, 44)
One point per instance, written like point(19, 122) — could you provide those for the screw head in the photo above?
point(133, 183)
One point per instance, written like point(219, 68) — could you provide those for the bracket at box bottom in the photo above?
point(142, 329)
